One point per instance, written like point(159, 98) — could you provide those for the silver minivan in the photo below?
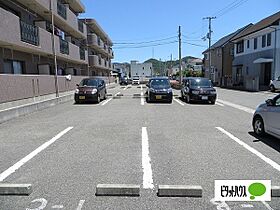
point(267, 118)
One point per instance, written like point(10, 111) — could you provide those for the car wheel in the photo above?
point(259, 126)
point(272, 88)
point(213, 102)
point(77, 102)
point(148, 100)
point(182, 96)
point(98, 99)
point(188, 99)
point(105, 96)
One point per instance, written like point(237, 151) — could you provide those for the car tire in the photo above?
point(77, 102)
point(272, 88)
point(105, 96)
point(182, 96)
point(148, 100)
point(187, 99)
point(213, 102)
point(98, 99)
point(258, 126)
point(170, 101)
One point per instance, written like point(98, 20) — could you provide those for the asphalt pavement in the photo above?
point(67, 150)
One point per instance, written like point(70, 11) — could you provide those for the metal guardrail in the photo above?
point(62, 10)
point(64, 46)
point(29, 33)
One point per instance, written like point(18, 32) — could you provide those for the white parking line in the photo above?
point(146, 161)
point(117, 93)
point(105, 102)
point(24, 160)
point(81, 203)
point(179, 102)
point(125, 88)
point(267, 205)
point(237, 106)
point(220, 104)
point(141, 87)
point(251, 149)
point(142, 99)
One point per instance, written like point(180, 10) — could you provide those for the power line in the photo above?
point(197, 45)
point(144, 38)
point(146, 42)
point(144, 46)
point(235, 4)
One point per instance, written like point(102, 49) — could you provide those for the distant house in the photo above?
point(257, 54)
point(221, 59)
point(123, 69)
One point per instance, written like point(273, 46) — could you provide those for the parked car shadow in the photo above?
point(268, 140)
point(196, 102)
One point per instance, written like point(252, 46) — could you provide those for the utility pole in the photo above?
point(54, 50)
point(209, 36)
point(180, 54)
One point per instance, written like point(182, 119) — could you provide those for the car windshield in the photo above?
point(89, 82)
point(160, 83)
point(200, 83)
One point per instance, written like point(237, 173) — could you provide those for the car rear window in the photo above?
point(89, 82)
point(160, 82)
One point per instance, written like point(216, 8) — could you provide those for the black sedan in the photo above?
point(159, 89)
point(123, 81)
point(198, 89)
point(91, 90)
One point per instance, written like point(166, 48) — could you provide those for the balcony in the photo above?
point(29, 33)
point(64, 46)
point(97, 62)
point(62, 10)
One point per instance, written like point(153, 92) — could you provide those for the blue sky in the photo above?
point(127, 21)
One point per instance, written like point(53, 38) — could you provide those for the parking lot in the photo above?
point(124, 140)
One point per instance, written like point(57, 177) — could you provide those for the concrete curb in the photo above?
point(275, 191)
point(117, 190)
point(11, 113)
point(179, 191)
point(15, 189)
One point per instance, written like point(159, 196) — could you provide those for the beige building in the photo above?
point(100, 50)
point(26, 38)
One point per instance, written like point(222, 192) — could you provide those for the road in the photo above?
point(72, 148)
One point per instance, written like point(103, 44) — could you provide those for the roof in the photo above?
point(264, 23)
point(221, 42)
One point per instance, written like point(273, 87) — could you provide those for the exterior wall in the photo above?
point(141, 69)
point(217, 65)
point(227, 64)
point(253, 73)
point(27, 86)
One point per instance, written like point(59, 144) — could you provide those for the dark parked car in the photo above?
point(91, 90)
point(123, 81)
point(198, 89)
point(159, 89)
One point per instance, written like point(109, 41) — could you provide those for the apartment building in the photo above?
point(257, 54)
point(100, 50)
point(33, 31)
point(143, 70)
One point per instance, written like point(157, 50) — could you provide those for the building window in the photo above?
point(13, 67)
point(143, 68)
point(255, 43)
point(206, 56)
point(231, 52)
point(240, 47)
point(269, 39)
point(248, 44)
point(263, 41)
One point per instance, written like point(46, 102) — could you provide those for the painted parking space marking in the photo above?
point(80, 206)
point(107, 101)
point(251, 149)
point(219, 104)
point(24, 160)
point(179, 102)
point(142, 99)
point(117, 93)
point(237, 106)
point(146, 161)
